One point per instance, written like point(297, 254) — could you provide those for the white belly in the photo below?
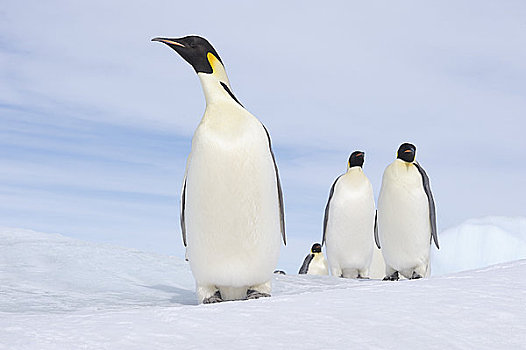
point(403, 218)
point(318, 265)
point(350, 227)
point(232, 208)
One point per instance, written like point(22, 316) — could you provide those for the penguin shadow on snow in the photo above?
point(180, 296)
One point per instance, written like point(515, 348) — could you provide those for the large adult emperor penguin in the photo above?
point(314, 263)
point(406, 217)
point(348, 227)
point(231, 203)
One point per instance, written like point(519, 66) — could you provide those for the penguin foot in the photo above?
point(254, 294)
point(362, 277)
point(415, 276)
point(216, 298)
point(393, 277)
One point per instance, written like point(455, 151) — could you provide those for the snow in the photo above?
point(61, 293)
point(42, 272)
point(478, 243)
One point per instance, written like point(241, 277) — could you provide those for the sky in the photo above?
point(96, 120)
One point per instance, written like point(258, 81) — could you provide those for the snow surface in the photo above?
point(478, 243)
point(61, 293)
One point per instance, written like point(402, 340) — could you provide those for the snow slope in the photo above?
point(478, 243)
point(59, 293)
point(43, 272)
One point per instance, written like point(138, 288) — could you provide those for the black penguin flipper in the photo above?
point(305, 267)
point(280, 192)
point(376, 238)
point(431, 201)
point(183, 207)
point(326, 217)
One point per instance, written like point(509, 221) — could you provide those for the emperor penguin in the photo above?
point(232, 214)
point(314, 263)
point(348, 226)
point(406, 222)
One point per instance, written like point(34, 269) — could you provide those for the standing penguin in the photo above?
point(231, 203)
point(406, 217)
point(348, 227)
point(314, 263)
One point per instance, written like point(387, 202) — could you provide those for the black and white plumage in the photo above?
point(232, 212)
point(314, 263)
point(349, 222)
point(406, 219)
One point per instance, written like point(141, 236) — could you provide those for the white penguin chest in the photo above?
point(403, 216)
point(318, 265)
point(402, 185)
point(231, 195)
point(352, 192)
point(352, 206)
point(229, 142)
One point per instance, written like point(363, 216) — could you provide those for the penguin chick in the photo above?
point(314, 263)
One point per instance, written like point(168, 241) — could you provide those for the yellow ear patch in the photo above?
point(213, 61)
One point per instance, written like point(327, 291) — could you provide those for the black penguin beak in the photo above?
point(168, 41)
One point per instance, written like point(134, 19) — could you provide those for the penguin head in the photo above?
point(356, 159)
point(316, 248)
point(195, 50)
point(406, 152)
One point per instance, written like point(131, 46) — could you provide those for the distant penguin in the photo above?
point(231, 203)
point(406, 222)
point(314, 263)
point(348, 227)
